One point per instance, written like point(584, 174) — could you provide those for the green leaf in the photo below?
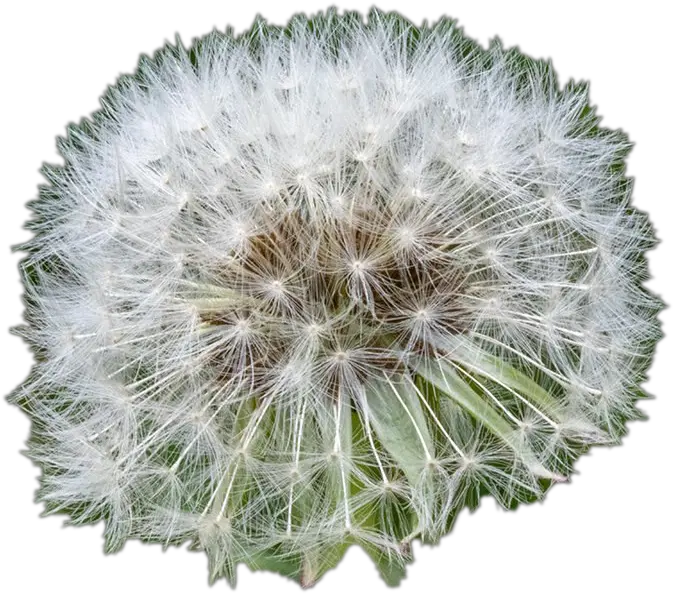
point(319, 560)
point(444, 377)
point(391, 568)
point(396, 415)
point(287, 565)
point(484, 364)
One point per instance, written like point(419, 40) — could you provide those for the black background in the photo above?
point(601, 530)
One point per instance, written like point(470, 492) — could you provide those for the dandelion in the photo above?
point(329, 284)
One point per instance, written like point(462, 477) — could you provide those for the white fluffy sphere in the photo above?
point(329, 284)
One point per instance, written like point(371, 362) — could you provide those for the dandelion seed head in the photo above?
point(329, 284)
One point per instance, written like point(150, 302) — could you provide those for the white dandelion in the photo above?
point(328, 284)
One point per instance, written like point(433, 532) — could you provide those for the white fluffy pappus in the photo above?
point(329, 284)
